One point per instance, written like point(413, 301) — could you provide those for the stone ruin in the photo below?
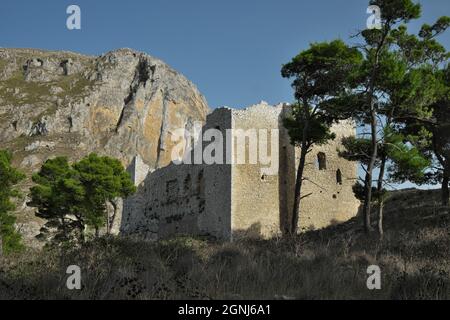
point(233, 200)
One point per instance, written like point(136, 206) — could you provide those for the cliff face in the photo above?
point(121, 104)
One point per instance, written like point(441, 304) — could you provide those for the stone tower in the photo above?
point(241, 197)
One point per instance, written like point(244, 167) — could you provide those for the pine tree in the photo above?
point(71, 197)
point(10, 239)
point(319, 73)
point(395, 82)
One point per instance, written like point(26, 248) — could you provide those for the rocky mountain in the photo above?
point(122, 104)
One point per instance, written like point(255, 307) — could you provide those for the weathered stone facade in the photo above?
point(234, 199)
point(126, 103)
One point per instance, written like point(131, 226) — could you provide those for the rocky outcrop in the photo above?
point(122, 104)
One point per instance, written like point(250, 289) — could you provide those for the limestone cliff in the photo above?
point(120, 104)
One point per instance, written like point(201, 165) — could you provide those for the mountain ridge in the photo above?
point(59, 103)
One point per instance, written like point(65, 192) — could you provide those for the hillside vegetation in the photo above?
point(121, 104)
point(327, 264)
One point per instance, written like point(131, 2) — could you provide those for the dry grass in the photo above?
point(327, 264)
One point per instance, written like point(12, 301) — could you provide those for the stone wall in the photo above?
point(182, 199)
point(234, 200)
point(218, 196)
point(262, 204)
point(256, 196)
point(330, 198)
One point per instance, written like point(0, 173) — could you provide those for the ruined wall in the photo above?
point(138, 170)
point(231, 199)
point(191, 199)
point(172, 199)
point(287, 172)
point(329, 196)
point(217, 218)
point(255, 194)
point(262, 204)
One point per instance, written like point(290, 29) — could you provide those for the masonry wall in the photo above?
point(172, 202)
point(191, 199)
point(286, 172)
point(255, 205)
point(329, 198)
point(262, 204)
point(217, 218)
point(230, 201)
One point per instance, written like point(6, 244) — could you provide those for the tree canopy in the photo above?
point(10, 239)
point(319, 73)
point(71, 197)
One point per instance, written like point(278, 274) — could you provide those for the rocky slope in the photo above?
point(123, 103)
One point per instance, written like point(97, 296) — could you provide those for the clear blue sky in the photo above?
point(231, 49)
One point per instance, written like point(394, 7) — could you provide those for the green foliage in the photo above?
point(434, 132)
point(103, 179)
point(73, 196)
point(318, 127)
point(408, 163)
point(319, 73)
point(359, 192)
point(59, 197)
point(396, 84)
point(9, 176)
point(441, 111)
point(322, 70)
point(356, 149)
point(394, 11)
point(429, 32)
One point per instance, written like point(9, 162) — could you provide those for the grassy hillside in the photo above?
point(328, 264)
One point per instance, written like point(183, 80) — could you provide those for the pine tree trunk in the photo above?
point(64, 227)
point(380, 219)
point(373, 132)
point(380, 197)
point(80, 226)
point(298, 189)
point(445, 193)
point(369, 173)
point(113, 218)
point(107, 222)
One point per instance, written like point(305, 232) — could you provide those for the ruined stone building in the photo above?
point(125, 103)
point(234, 199)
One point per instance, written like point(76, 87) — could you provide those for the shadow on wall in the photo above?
point(286, 174)
point(168, 201)
point(358, 215)
point(136, 210)
point(253, 232)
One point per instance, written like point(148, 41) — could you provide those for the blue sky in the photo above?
point(231, 49)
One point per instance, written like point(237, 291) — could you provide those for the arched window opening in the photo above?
point(338, 176)
point(200, 184)
point(322, 161)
